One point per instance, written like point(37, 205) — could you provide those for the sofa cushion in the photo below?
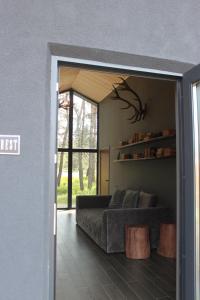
point(147, 200)
point(131, 199)
point(117, 199)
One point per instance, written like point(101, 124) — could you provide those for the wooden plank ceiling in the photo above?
point(95, 85)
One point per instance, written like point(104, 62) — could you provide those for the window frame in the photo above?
point(70, 149)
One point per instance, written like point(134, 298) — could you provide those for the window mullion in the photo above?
point(70, 150)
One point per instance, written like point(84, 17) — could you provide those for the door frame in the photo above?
point(190, 240)
point(109, 67)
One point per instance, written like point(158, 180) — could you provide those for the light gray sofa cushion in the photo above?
point(147, 200)
point(131, 199)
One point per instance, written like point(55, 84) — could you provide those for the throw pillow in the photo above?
point(117, 199)
point(147, 200)
point(130, 199)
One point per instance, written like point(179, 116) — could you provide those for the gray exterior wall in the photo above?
point(168, 30)
point(156, 176)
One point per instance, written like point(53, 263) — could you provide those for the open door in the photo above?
point(104, 171)
point(189, 215)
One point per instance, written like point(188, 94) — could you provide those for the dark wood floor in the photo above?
point(85, 272)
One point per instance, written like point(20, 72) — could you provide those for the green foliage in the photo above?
point(62, 190)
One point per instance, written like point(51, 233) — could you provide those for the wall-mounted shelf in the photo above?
point(145, 158)
point(157, 139)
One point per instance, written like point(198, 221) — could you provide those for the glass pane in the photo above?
point(63, 120)
point(62, 180)
point(84, 124)
point(84, 175)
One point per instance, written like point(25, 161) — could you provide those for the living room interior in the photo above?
point(116, 178)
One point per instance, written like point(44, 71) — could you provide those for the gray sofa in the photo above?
point(106, 226)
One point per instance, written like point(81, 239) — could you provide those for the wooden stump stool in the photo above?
point(137, 242)
point(167, 245)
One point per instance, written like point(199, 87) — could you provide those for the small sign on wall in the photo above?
point(10, 144)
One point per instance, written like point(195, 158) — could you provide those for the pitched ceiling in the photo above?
point(95, 85)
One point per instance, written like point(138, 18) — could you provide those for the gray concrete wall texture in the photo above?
point(161, 29)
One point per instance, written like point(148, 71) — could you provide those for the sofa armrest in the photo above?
point(92, 201)
point(114, 221)
point(137, 216)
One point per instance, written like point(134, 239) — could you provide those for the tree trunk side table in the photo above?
point(167, 244)
point(137, 241)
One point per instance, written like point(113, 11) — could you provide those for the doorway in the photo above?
point(125, 172)
point(183, 191)
point(104, 171)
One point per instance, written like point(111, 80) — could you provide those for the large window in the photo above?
point(77, 141)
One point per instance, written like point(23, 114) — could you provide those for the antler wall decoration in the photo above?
point(139, 109)
point(64, 104)
point(64, 101)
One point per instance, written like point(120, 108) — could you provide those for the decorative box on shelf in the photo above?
point(147, 153)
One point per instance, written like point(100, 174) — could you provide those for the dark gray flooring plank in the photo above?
point(113, 292)
point(93, 277)
point(122, 285)
point(165, 282)
point(168, 262)
point(164, 285)
point(138, 271)
point(66, 290)
point(172, 295)
point(141, 291)
point(161, 271)
point(124, 273)
point(151, 287)
point(85, 271)
point(155, 289)
point(97, 292)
